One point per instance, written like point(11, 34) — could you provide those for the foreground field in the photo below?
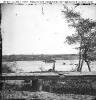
point(26, 95)
point(65, 89)
point(69, 89)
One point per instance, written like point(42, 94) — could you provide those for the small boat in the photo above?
point(64, 63)
point(49, 60)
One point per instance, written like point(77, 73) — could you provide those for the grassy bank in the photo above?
point(77, 86)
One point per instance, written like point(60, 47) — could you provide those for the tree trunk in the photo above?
point(81, 65)
point(88, 65)
point(85, 57)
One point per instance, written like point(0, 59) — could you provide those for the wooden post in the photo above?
point(37, 84)
point(50, 88)
point(34, 84)
point(3, 90)
point(54, 65)
point(40, 83)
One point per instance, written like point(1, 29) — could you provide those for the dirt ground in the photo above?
point(42, 95)
point(53, 96)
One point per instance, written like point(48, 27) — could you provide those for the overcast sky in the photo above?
point(38, 29)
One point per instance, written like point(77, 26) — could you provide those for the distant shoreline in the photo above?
point(39, 57)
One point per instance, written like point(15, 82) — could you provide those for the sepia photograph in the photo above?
point(48, 50)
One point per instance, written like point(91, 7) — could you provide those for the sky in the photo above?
point(38, 29)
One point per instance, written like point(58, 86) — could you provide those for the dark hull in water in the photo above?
point(48, 61)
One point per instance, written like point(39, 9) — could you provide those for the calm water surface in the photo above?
point(28, 66)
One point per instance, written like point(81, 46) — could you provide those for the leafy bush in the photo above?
point(6, 68)
point(10, 67)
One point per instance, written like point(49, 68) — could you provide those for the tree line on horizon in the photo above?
point(39, 57)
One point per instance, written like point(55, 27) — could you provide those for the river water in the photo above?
point(30, 66)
